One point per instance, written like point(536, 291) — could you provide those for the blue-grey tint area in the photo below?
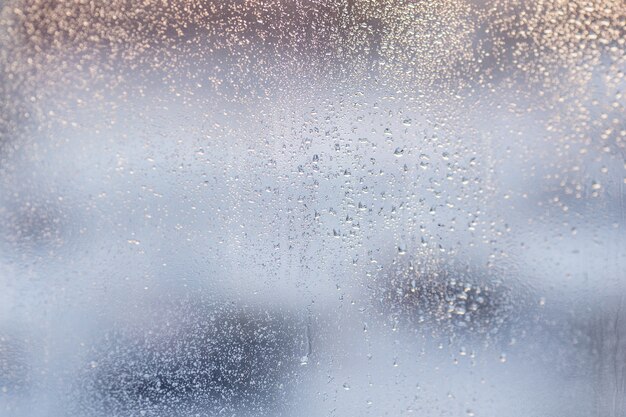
point(312, 208)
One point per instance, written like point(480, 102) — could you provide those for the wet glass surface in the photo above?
point(312, 208)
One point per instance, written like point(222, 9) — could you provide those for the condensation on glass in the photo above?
point(312, 208)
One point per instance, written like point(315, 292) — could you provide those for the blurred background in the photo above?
point(312, 208)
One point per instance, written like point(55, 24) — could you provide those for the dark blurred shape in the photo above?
point(32, 227)
point(215, 360)
point(453, 300)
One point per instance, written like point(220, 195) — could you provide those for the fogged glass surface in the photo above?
point(312, 208)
